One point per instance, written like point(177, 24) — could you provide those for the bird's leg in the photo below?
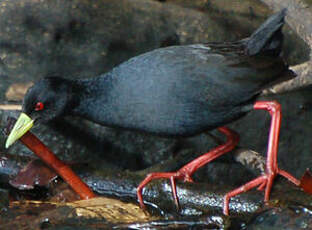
point(186, 171)
point(266, 180)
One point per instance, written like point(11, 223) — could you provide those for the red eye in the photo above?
point(39, 106)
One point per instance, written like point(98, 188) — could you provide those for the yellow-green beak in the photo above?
point(22, 125)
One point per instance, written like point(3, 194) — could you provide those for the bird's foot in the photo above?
point(181, 174)
point(264, 182)
point(187, 170)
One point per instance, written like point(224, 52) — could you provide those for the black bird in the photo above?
point(175, 91)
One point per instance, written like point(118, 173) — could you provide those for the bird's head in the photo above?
point(44, 101)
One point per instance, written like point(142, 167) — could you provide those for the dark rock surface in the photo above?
point(134, 151)
point(84, 38)
point(81, 38)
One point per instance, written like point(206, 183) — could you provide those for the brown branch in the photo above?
point(10, 107)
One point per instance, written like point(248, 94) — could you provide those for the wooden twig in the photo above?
point(10, 107)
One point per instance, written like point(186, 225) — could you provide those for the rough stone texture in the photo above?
point(83, 38)
point(93, 143)
point(134, 151)
point(295, 145)
point(291, 218)
point(17, 91)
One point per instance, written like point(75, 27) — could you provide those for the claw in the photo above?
point(174, 193)
point(185, 172)
point(171, 175)
point(264, 181)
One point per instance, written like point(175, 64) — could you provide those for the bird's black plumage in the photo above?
point(172, 91)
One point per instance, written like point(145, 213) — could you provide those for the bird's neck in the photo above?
point(91, 98)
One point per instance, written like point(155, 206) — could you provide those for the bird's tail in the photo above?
point(268, 38)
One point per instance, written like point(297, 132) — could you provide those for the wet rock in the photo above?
point(295, 145)
point(296, 217)
point(4, 200)
point(36, 173)
point(10, 165)
point(85, 38)
point(77, 140)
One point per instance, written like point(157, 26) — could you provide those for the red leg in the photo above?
point(266, 180)
point(186, 171)
point(63, 170)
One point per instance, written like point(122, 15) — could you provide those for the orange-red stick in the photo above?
point(63, 170)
